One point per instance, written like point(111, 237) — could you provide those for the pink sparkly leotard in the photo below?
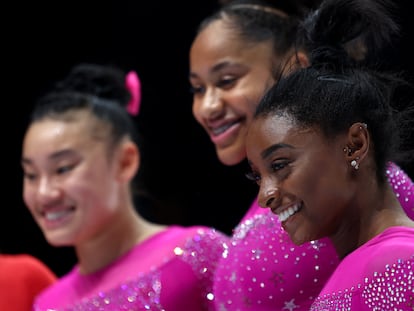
point(262, 269)
point(172, 270)
point(379, 275)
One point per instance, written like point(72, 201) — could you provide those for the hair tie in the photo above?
point(133, 85)
point(334, 78)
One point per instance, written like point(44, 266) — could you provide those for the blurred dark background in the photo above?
point(43, 41)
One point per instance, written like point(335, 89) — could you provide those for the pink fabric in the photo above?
point(379, 275)
point(403, 188)
point(172, 270)
point(263, 270)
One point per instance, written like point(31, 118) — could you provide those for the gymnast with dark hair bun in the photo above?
point(237, 55)
point(79, 157)
point(320, 147)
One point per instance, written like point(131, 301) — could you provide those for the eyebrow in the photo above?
point(268, 151)
point(54, 156)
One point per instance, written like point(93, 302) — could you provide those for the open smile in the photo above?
point(287, 213)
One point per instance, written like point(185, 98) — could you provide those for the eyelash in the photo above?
point(225, 82)
point(59, 171)
point(275, 166)
point(221, 84)
point(253, 176)
point(64, 169)
point(196, 90)
point(29, 176)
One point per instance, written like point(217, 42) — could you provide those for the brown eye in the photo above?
point(228, 82)
point(64, 169)
point(29, 176)
point(197, 90)
point(276, 166)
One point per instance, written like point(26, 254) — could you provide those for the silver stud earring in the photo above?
point(363, 125)
point(347, 150)
point(354, 163)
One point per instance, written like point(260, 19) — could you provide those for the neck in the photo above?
point(368, 218)
point(120, 236)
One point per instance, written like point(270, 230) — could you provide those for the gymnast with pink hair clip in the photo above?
point(80, 155)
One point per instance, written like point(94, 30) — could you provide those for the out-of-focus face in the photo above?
point(228, 78)
point(69, 181)
point(302, 178)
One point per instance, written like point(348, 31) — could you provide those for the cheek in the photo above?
point(307, 184)
point(83, 183)
point(310, 180)
point(322, 188)
point(248, 98)
point(196, 110)
point(259, 83)
point(248, 92)
point(95, 180)
point(29, 195)
point(200, 110)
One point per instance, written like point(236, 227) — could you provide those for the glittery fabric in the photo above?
point(403, 188)
point(262, 269)
point(378, 276)
point(170, 271)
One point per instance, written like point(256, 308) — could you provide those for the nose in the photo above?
point(211, 106)
point(269, 196)
point(47, 191)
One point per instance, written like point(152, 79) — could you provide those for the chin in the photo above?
point(298, 242)
point(300, 238)
point(58, 241)
point(229, 157)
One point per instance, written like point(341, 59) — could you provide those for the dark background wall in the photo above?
point(179, 163)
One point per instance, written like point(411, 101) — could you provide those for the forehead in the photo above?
point(217, 35)
point(217, 40)
point(272, 127)
point(51, 134)
point(271, 130)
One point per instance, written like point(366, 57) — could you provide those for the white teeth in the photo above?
point(283, 216)
point(55, 215)
point(221, 129)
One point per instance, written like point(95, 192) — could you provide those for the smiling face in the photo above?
point(70, 184)
point(228, 78)
point(302, 178)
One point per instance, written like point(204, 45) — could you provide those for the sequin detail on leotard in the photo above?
point(389, 290)
point(262, 269)
point(179, 277)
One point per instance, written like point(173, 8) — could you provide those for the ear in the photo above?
point(129, 161)
point(302, 60)
point(357, 143)
point(296, 61)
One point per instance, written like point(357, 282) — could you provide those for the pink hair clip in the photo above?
point(133, 85)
